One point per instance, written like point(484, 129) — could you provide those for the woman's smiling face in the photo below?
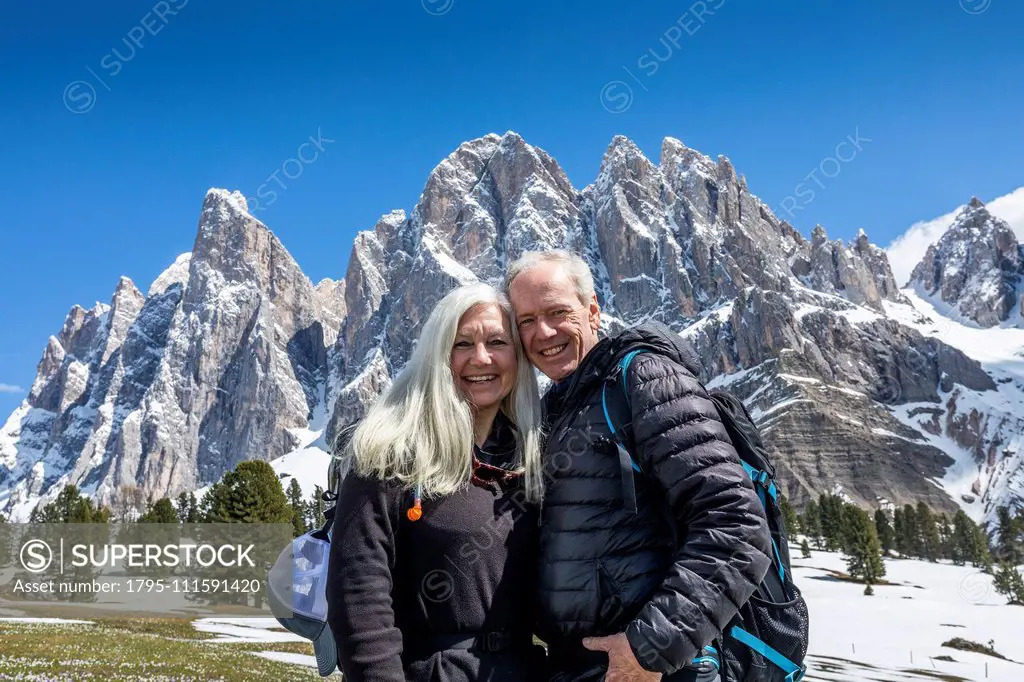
point(483, 359)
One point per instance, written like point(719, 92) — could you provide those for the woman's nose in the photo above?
point(481, 355)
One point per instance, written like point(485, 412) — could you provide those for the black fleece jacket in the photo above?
point(400, 592)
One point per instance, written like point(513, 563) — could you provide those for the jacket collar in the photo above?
point(602, 359)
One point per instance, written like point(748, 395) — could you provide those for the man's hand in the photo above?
point(622, 664)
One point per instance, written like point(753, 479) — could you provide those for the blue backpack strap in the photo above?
point(766, 486)
point(763, 482)
point(794, 672)
point(624, 364)
point(627, 465)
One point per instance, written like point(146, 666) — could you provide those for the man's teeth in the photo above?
point(488, 377)
point(553, 351)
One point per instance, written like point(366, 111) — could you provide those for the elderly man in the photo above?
point(652, 535)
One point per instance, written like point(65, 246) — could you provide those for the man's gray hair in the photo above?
point(575, 267)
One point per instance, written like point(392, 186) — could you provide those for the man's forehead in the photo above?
point(544, 278)
point(543, 291)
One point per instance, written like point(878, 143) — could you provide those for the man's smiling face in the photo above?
point(556, 329)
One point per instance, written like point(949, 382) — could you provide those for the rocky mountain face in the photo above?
point(233, 348)
point(166, 391)
point(977, 267)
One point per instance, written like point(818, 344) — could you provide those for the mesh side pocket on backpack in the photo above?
point(782, 626)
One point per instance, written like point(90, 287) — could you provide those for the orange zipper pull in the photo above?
point(415, 513)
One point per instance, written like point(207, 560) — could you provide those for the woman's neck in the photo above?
point(483, 420)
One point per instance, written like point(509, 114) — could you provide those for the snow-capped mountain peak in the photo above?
point(234, 354)
point(976, 269)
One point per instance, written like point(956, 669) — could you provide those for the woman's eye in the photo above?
point(462, 344)
point(499, 342)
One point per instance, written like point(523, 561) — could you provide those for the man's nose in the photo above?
point(544, 330)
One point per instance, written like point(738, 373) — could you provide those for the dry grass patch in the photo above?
point(154, 649)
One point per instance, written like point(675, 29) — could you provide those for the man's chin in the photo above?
point(557, 373)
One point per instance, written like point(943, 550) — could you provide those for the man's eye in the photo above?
point(525, 322)
point(561, 312)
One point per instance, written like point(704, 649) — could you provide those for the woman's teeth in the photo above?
point(477, 380)
point(553, 351)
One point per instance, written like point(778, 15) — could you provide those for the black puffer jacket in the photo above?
point(673, 574)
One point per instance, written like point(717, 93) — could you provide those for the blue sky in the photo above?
point(109, 154)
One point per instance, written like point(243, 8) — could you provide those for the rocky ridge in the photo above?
point(233, 350)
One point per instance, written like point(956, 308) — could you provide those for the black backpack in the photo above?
point(767, 639)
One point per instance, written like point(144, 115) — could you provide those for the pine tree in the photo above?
point(805, 548)
point(945, 537)
point(315, 509)
point(298, 507)
point(789, 517)
point(911, 543)
point(962, 539)
point(982, 556)
point(1010, 547)
point(70, 506)
point(831, 509)
point(848, 526)
point(899, 532)
point(884, 530)
point(811, 523)
point(1009, 583)
point(193, 515)
point(161, 512)
point(864, 560)
point(251, 493)
point(182, 507)
point(928, 532)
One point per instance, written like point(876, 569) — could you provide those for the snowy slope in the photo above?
point(856, 638)
point(997, 415)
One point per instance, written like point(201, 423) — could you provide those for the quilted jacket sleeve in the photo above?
point(724, 545)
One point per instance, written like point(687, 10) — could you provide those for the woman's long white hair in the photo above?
point(420, 430)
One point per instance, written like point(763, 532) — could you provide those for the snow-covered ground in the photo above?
point(308, 463)
point(255, 631)
point(902, 627)
point(894, 636)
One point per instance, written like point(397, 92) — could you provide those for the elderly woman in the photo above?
point(433, 559)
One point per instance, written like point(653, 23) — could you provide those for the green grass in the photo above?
point(150, 649)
